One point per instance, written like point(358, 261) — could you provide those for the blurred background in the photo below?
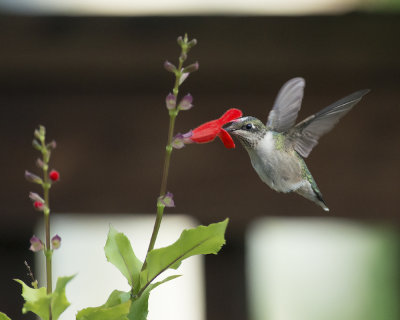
point(92, 73)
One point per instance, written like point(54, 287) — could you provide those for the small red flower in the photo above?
point(38, 205)
point(54, 175)
point(208, 131)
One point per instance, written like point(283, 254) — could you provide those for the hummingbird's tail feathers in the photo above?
point(311, 192)
point(320, 201)
point(306, 133)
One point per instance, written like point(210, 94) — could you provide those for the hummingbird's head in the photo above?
point(248, 130)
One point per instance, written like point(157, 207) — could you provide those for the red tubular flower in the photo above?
point(208, 131)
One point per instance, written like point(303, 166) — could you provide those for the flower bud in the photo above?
point(170, 101)
point(54, 175)
point(179, 40)
point(36, 145)
point(183, 77)
point(40, 164)
point(51, 145)
point(191, 68)
point(35, 197)
point(42, 131)
point(36, 244)
point(33, 178)
point(186, 102)
point(169, 66)
point(55, 242)
point(167, 200)
point(192, 43)
point(37, 134)
point(39, 206)
point(177, 142)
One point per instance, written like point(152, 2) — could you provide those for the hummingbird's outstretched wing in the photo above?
point(306, 133)
point(286, 106)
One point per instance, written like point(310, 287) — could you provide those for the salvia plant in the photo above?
point(142, 276)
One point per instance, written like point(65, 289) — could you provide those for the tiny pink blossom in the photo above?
point(36, 244)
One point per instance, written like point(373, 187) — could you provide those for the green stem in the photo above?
point(167, 159)
point(163, 189)
point(47, 252)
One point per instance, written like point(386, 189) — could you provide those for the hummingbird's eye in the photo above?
point(248, 126)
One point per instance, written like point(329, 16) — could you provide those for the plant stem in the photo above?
point(48, 251)
point(160, 207)
point(46, 187)
point(167, 159)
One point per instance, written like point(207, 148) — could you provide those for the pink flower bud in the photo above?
point(56, 242)
point(54, 175)
point(179, 141)
point(167, 200)
point(192, 43)
point(40, 163)
point(191, 68)
point(33, 178)
point(170, 101)
point(36, 244)
point(183, 77)
point(169, 66)
point(186, 102)
point(35, 197)
point(51, 145)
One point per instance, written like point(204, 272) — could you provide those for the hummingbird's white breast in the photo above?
point(278, 168)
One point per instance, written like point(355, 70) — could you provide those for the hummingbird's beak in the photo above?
point(229, 127)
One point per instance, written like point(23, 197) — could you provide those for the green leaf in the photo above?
point(59, 300)
point(140, 306)
point(200, 240)
point(36, 301)
point(116, 308)
point(119, 252)
point(3, 316)
point(117, 297)
point(39, 302)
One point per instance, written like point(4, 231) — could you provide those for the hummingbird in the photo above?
point(277, 149)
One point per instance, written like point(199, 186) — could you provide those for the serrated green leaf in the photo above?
point(59, 300)
point(140, 306)
point(119, 252)
point(116, 312)
point(116, 308)
point(36, 300)
point(3, 316)
point(117, 297)
point(200, 240)
point(39, 302)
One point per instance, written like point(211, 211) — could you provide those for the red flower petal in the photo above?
point(230, 115)
point(226, 139)
point(206, 132)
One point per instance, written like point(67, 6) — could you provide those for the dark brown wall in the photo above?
point(98, 86)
